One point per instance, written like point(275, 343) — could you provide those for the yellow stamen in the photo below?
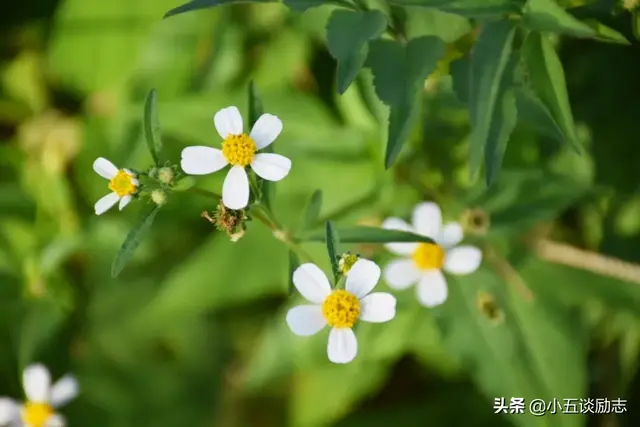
point(122, 184)
point(239, 149)
point(428, 256)
point(341, 309)
point(36, 414)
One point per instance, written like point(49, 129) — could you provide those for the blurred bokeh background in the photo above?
point(192, 333)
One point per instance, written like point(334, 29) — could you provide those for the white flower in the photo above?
point(42, 399)
point(122, 183)
point(239, 150)
point(339, 308)
point(423, 262)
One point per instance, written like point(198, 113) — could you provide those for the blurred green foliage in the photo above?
point(192, 332)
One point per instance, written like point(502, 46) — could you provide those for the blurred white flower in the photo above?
point(339, 308)
point(122, 183)
point(42, 400)
point(238, 150)
point(423, 262)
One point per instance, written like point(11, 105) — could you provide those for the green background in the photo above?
point(192, 332)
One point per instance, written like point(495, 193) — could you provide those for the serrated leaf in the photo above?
point(399, 72)
point(332, 240)
point(547, 15)
point(133, 239)
point(312, 212)
point(294, 263)
point(348, 33)
point(206, 4)
point(467, 8)
point(533, 112)
point(362, 234)
point(546, 77)
point(151, 126)
point(490, 59)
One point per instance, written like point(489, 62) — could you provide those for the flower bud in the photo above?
point(346, 262)
point(158, 197)
point(165, 175)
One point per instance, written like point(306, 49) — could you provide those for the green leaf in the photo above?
point(399, 72)
point(312, 213)
point(332, 239)
point(133, 239)
point(40, 324)
point(606, 34)
point(635, 23)
point(533, 112)
point(152, 126)
point(547, 15)
point(205, 4)
point(348, 33)
point(546, 76)
point(302, 5)
point(467, 8)
point(491, 122)
point(185, 183)
point(294, 263)
point(361, 234)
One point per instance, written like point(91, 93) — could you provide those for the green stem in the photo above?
point(205, 193)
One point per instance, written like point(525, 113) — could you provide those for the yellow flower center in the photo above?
point(346, 262)
point(239, 149)
point(428, 256)
point(341, 309)
point(36, 414)
point(122, 184)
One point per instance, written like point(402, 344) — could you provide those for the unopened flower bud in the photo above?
point(165, 175)
point(346, 262)
point(158, 197)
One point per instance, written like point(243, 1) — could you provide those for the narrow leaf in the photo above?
point(399, 72)
point(133, 239)
point(294, 263)
point(606, 34)
point(635, 23)
point(547, 79)
point(547, 15)
point(185, 184)
point(348, 33)
point(312, 212)
point(467, 8)
point(255, 105)
point(302, 5)
point(533, 112)
point(40, 324)
point(205, 4)
point(152, 126)
point(489, 60)
point(361, 234)
point(332, 240)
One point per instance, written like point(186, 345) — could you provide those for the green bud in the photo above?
point(158, 197)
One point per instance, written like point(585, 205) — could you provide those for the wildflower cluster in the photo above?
point(425, 248)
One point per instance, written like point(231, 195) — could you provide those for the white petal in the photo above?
point(201, 160)
point(362, 277)
point(432, 288)
point(36, 381)
point(104, 168)
point(378, 307)
point(342, 346)
point(401, 273)
point(462, 260)
point(64, 390)
point(124, 201)
point(235, 189)
point(305, 320)
point(399, 248)
point(450, 235)
point(312, 283)
point(266, 130)
point(105, 203)
point(56, 420)
point(272, 167)
point(8, 411)
point(427, 219)
point(228, 121)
